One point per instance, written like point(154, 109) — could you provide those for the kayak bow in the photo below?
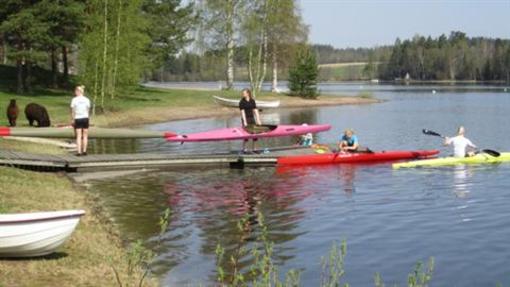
point(481, 158)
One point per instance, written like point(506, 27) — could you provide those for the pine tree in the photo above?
point(303, 75)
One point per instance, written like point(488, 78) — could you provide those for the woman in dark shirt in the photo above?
point(249, 113)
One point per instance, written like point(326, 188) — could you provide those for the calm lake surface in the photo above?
point(390, 218)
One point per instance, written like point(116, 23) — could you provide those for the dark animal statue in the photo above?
point(37, 113)
point(12, 113)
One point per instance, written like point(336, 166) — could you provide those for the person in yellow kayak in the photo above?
point(348, 142)
point(460, 144)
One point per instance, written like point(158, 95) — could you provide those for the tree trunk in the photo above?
point(19, 78)
point(66, 64)
point(54, 72)
point(105, 53)
point(250, 68)
point(96, 83)
point(264, 58)
point(4, 52)
point(274, 85)
point(230, 43)
point(19, 65)
point(116, 61)
point(28, 78)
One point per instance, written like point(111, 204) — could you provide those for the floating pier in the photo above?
point(97, 162)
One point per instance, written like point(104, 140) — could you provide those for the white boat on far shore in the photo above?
point(235, 103)
point(37, 233)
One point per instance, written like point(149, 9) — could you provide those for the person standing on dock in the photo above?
point(249, 113)
point(80, 111)
point(460, 143)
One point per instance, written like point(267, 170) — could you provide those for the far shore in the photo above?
point(150, 115)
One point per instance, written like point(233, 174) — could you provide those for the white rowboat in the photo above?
point(36, 234)
point(235, 103)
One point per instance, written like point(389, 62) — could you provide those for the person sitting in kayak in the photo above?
point(305, 140)
point(349, 141)
point(460, 144)
point(250, 117)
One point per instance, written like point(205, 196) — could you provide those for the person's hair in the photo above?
point(461, 130)
point(248, 91)
point(349, 131)
point(81, 88)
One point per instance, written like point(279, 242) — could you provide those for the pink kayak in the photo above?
point(239, 133)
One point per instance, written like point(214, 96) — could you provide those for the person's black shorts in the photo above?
point(81, 123)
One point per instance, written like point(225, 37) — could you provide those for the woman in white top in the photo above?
point(460, 143)
point(80, 110)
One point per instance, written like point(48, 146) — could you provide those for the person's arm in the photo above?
point(71, 112)
point(257, 117)
point(447, 141)
point(471, 145)
point(354, 146)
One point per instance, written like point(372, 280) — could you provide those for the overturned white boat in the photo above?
point(36, 234)
point(235, 103)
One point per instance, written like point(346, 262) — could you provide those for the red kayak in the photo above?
point(337, 158)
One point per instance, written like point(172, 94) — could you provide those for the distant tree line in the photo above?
point(327, 54)
point(455, 57)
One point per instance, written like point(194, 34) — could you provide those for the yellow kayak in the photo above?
point(480, 158)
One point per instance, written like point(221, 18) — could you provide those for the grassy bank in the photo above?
point(87, 258)
point(149, 105)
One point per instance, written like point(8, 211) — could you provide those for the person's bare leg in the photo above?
point(244, 145)
point(85, 140)
point(253, 145)
point(78, 140)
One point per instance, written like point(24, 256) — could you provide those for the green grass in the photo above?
point(132, 101)
point(341, 73)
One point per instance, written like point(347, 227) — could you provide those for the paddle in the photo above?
point(487, 151)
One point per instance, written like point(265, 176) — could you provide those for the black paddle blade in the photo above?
point(431, 133)
point(492, 152)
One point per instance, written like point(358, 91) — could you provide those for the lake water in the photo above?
point(390, 218)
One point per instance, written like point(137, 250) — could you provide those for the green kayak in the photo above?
point(481, 158)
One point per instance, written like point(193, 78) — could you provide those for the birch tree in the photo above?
point(221, 20)
point(255, 26)
point(286, 31)
point(112, 49)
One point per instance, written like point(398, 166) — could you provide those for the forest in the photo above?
point(454, 57)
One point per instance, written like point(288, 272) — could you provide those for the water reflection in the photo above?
point(207, 212)
point(461, 180)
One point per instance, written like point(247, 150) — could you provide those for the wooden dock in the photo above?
point(72, 163)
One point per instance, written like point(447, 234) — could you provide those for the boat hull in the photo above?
point(36, 234)
point(241, 134)
point(481, 158)
point(334, 158)
point(235, 103)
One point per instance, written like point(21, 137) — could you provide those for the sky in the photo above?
point(369, 23)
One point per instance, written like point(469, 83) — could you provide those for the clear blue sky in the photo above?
point(368, 23)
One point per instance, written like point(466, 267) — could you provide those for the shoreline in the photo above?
point(154, 115)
